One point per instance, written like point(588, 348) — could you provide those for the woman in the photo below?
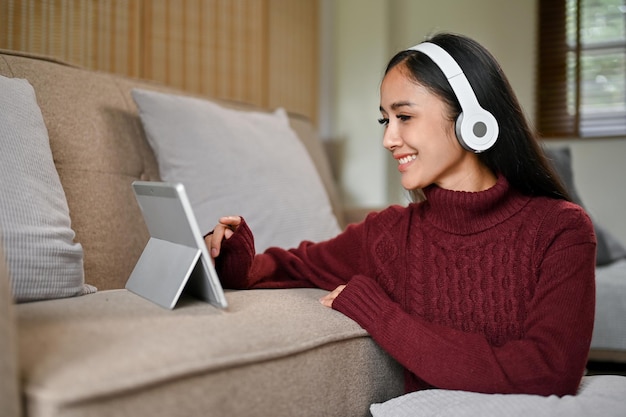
point(486, 282)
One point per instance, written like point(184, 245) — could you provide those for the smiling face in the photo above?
point(419, 132)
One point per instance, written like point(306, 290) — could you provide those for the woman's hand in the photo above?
point(328, 299)
point(224, 230)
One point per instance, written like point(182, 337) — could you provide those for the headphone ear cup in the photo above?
point(476, 131)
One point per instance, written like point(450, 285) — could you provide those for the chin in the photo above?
point(412, 185)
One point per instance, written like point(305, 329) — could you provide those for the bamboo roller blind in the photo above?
point(264, 52)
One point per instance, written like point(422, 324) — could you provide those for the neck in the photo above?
point(476, 177)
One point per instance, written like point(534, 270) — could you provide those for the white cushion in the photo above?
point(235, 162)
point(43, 259)
point(599, 395)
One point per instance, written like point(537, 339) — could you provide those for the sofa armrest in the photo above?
point(9, 386)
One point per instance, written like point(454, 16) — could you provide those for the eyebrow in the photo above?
point(398, 104)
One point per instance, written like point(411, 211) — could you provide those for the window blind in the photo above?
point(581, 89)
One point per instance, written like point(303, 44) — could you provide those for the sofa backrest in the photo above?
point(99, 148)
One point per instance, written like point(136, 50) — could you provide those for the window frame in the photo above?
point(559, 112)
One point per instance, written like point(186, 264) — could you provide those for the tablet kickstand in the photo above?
point(162, 271)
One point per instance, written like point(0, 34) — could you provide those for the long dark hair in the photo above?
point(517, 154)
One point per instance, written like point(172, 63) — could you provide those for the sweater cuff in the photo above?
point(241, 242)
point(235, 259)
point(363, 300)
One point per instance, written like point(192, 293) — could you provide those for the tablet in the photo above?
point(176, 257)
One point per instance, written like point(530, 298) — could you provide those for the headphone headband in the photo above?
point(477, 129)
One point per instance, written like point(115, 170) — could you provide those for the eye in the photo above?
point(383, 121)
point(403, 117)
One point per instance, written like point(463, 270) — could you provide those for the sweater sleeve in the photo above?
point(550, 357)
point(235, 259)
point(323, 265)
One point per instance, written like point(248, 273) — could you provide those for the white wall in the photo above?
point(349, 111)
point(367, 33)
point(599, 167)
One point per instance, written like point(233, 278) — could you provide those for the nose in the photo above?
point(391, 138)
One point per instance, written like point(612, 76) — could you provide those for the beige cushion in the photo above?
point(98, 150)
point(273, 352)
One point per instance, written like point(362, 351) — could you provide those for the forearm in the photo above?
point(449, 358)
point(323, 265)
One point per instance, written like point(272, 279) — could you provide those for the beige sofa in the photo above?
point(273, 352)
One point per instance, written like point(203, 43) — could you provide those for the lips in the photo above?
point(405, 160)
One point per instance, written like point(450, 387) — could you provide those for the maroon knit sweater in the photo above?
point(490, 292)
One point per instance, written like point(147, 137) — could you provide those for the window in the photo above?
point(582, 68)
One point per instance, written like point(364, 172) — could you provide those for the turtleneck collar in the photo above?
point(462, 212)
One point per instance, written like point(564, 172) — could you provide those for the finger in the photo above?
point(232, 221)
point(327, 301)
point(215, 239)
point(224, 230)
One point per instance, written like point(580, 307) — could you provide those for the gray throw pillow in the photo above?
point(609, 249)
point(235, 162)
point(43, 260)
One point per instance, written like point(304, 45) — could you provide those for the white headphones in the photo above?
point(476, 129)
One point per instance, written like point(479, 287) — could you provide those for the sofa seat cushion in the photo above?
point(273, 352)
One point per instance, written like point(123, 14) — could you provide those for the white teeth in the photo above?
point(407, 159)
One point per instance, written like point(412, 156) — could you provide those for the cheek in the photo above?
point(441, 155)
point(449, 139)
point(444, 144)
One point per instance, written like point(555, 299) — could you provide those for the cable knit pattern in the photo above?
point(490, 291)
point(475, 290)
